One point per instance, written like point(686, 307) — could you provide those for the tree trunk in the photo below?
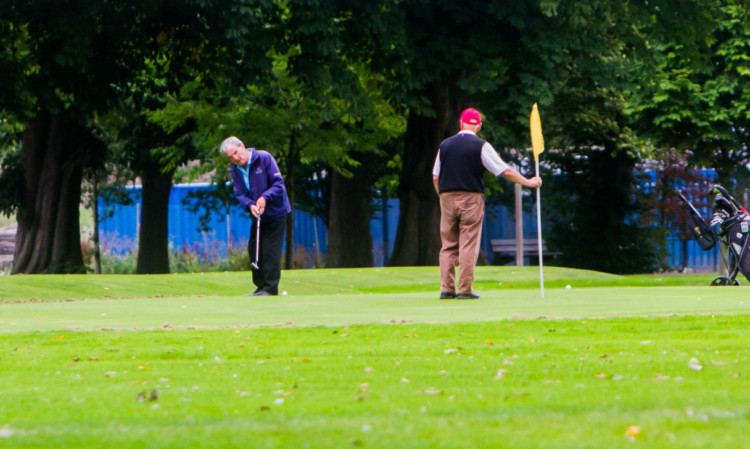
point(418, 234)
point(349, 236)
point(291, 165)
point(49, 237)
point(153, 241)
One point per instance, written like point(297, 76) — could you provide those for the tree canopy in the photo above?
point(334, 86)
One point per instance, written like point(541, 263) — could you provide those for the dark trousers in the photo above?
point(271, 241)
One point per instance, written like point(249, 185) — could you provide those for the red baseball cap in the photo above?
point(471, 117)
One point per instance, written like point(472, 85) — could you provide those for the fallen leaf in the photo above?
point(694, 365)
point(633, 431)
point(6, 431)
point(148, 396)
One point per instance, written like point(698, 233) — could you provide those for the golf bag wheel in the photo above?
point(723, 280)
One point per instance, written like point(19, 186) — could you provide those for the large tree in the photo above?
point(58, 68)
point(194, 45)
point(337, 118)
point(441, 56)
point(61, 67)
point(693, 93)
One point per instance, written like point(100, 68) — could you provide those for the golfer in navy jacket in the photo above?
point(259, 187)
point(457, 175)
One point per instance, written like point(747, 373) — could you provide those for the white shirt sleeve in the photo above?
point(491, 160)
point(436, 167)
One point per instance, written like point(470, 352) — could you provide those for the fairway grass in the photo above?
point(371, 358)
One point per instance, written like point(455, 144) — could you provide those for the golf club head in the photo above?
point(255, 266)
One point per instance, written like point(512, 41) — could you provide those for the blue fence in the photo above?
point(119, 233)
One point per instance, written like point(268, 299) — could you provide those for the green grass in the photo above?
point(320, 282)
point(371, 358)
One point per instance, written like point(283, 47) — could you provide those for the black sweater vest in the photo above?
point(461, 165)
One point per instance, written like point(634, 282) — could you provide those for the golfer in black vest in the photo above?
point(458, 177)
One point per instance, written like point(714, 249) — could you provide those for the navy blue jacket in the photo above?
point(265, 180)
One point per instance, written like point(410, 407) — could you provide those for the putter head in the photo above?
point(255, 266)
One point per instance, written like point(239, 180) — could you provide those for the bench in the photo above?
point(504, 250)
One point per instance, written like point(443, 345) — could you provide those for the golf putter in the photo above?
point(257, 246)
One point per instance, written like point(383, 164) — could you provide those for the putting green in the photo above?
point(330, 309)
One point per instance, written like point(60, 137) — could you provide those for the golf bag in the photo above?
point(730, 225)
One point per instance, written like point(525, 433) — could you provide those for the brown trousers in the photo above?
point(461, 215)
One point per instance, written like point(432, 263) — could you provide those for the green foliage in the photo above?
point(113, 264)
point(693, 95)
point(316, 82)
point(186, 259)
point(11, 176)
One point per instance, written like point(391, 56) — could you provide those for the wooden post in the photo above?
point(519, 225)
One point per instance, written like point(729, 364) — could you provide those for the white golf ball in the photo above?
point(568, 287)
point(283, 293)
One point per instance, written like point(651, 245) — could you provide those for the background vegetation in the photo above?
point(354, 94)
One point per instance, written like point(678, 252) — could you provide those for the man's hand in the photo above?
point(259, 206)
point(535, 182)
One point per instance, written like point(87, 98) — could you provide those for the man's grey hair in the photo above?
point(229, 140)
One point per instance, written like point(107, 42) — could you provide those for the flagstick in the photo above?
point(539, 229)
point(537, 144)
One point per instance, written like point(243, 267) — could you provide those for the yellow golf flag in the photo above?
point(537, 140)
